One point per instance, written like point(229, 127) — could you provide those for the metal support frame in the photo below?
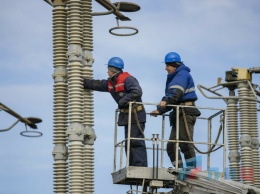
point(129, 175)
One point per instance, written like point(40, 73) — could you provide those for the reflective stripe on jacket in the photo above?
point(181, 79)
point(120, 83)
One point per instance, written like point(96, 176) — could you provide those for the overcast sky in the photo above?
point(211, 36)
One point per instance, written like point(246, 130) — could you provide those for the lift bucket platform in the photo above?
point(134, 174)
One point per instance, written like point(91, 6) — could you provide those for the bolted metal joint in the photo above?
point(60, 152)
point(74, 53)
point(255, 144)
point(88, 59)
point(234, 156)
point(245, 140)
point(60, 74)
point(90, 136)
point(76, 132)
point(232, 101)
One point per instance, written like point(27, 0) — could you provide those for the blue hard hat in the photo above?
point(116, 62)
point(172, 57)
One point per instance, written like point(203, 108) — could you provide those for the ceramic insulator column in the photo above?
point(76, 130)
point(88, 98)
point(60, 152)
point(255, 142)
point(233, 141)
point(245, 138)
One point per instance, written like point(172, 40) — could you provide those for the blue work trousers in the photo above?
point(138, 154)
point(186, 148)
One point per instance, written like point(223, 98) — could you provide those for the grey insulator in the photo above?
point(245, 139)
point(232, 123)
point(233, 140)
point(234, 170)
point(254, 139)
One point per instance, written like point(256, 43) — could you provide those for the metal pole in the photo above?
point(129, 134)
point(162, 142)
point(224, 141)
point(115, 140)
point(157, 155)
point(177, 138)
point(209, 143)
point(153, 142)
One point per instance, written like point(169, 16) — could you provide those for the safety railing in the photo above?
point(159, 142)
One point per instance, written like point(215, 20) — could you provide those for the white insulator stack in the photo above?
point(233, 141)
point(76, 130)
point(87, 25)
point(255, 142)
point(245, 138)
point(75, 22)
point(88, 61)
point(88, 119)
point(88, 169)
point(88, 102)
point(75, 92)
point(60, 152)
point(76, 167)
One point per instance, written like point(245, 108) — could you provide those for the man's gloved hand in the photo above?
point(162, 104)
point(122, 104)
point(121, 107)
point(154, 113)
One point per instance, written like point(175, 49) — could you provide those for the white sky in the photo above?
point(212, 36)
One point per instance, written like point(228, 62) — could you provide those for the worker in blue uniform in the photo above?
point(125, 88)
point(179, 90)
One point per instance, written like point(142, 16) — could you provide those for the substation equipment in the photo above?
point(73, 131)
point(73, 122)
point(242, 123)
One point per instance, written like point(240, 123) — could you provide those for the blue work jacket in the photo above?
point(180, 88)
point(181, 79)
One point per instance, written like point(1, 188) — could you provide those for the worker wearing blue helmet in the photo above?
point(179, 90)
point(124, 88)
